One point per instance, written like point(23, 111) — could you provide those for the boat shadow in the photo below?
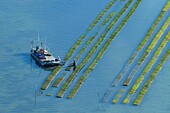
point(24, 57)
point(27, 59)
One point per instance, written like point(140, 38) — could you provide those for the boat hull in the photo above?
point(43, 64)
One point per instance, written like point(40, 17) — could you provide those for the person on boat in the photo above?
point(74, 65)
point(58, 59)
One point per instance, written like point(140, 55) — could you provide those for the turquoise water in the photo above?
point(60, 23)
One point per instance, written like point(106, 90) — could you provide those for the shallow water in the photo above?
point(60, 23)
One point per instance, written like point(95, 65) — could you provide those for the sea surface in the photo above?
point(59, 24)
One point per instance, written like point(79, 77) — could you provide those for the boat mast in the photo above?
point(45, 47)
point(38, 37)
point(41, 45)
point(38, 40)
point(32, 44)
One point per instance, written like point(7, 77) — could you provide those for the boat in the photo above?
point(42, 56)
